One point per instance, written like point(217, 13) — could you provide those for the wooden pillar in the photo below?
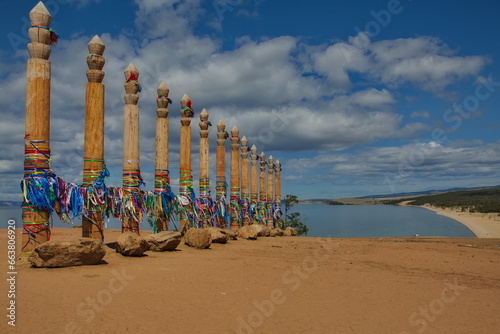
point(263, 191)
point(131, 214)
point(254, 192)
point(162, 177)
point(270, 191)
point(36, 227)
point(204, 202)
point(277, 195)
point(186, 176)
point(234, 203)
point(245, 200)
point(221, 184)
point(94, 170)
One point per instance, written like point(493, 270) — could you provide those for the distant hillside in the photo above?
point(427, 192)
point(480, 200)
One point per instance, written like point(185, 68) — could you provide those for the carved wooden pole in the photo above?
point(204, 202)
point(263, 191)
point(221, 184)
point(270, 191)
point(277, 196)
point(162, 177)
point(235, 179)
point(36, 229)
point(244, 181)
point(131, 214)
point(186, 176)
point(254, 192)
point(94, 169)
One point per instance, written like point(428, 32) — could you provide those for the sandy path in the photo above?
point(271, 285)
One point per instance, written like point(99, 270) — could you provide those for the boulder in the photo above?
point(289, 232)
point(248, 232)
point(163, 241)
point(200, 238)
point(278, 231)
point(131, 244)
point(219, 236)
point(51, 254)
point(233, 234)
point(265, 231)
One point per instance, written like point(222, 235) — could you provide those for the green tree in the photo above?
point(292, 219)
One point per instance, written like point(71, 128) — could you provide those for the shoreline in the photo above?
point(483, 225)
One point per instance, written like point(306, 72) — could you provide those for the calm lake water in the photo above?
point(360, 221)
point(342, 221)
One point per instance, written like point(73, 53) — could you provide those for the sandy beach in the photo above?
point(270, 285)
point(483, 225)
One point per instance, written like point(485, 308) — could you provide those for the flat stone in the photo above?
point(265, 231)
point(278, 231)
point(219, 236)
point(233, 234)
point(290, 232)
point(52, 254)
point(200, 238)
point(131, 244)
point(249, 232)
point(163, 241)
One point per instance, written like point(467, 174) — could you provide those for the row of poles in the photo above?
point(249, 203)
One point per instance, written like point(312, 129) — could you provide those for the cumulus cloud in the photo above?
point(421, 163)
point(425, 62)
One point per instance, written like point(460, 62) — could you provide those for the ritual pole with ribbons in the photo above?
point(270, 191)
point(163, 203)
point(234, 203)
point(204, 202)
point(94, 168)
point(254, 182)
point(38, 200)
point(245, 198)
point(277, 195)
point(186, 198)
point(131, 204)
point(263, 191)
point(222, 214)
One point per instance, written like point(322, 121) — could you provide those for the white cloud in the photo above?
point(424, 62)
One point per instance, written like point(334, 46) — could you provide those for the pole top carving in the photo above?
point(244, 147)
point(262, 162)
point(277, 168)
point(235, 139)
point(221, 133)
point(204, 123)
point(132, 86)
point(162, 100)
point(96, 46)
point(40, 16)
point(186, 110)
point(270, 164)
point(40, 33)
point(95, 61)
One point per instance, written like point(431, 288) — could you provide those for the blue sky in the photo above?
point(354, 98)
